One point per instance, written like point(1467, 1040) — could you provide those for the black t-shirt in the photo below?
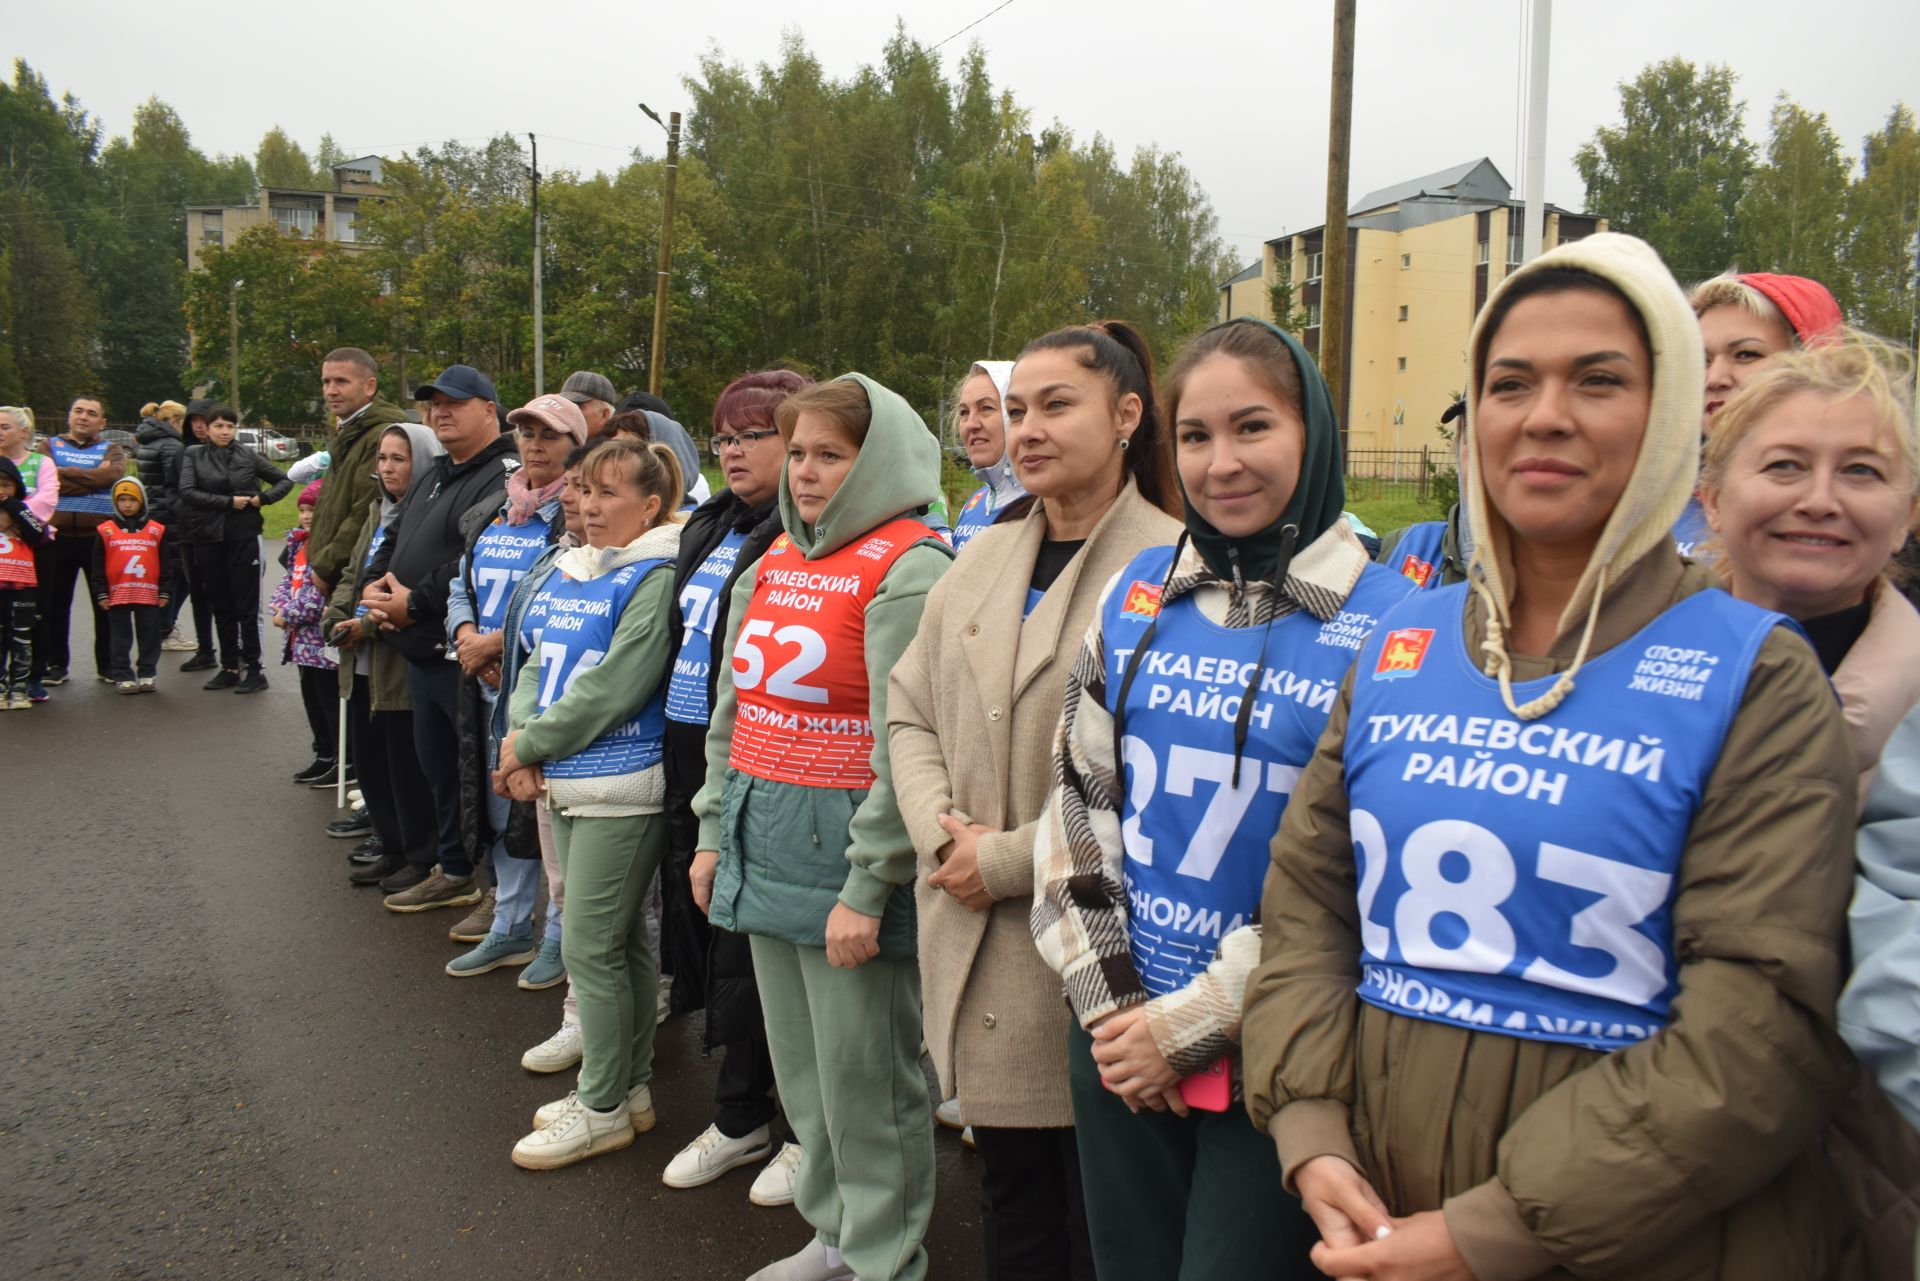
point(1834, 634)
point(1052, 560)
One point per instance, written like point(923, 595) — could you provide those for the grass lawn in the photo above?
point(283, 515)
point(1389, 512)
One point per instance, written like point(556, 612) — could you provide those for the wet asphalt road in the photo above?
point(223, 1061)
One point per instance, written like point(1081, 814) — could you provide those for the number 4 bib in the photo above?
point(800, 661)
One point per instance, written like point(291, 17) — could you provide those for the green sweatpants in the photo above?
point(608, 864)
point(846, 1056)
point(1181, 1199)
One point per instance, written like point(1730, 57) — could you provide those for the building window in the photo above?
point(296, 221)
point(210, 229)
point(1313, 315)
point(345, 222)
point(1315, 262)
point(1403, 364)
point(1516, 245)
point(1403, 313)
point(1406, 261)
point(1482, 254)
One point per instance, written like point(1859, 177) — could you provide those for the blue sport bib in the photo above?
point(1197, 845)
point(1518, 876)
point(66, 454)
point(699, 607)
point(1417, 556)
point(501, 557)
point(571, 626)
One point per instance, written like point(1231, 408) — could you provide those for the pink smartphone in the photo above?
point(1210, 1089)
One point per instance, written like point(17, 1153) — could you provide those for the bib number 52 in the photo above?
point(750, 660)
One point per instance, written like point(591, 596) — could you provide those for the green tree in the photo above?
point(279, 161)
point(50, 321)
point(1883, 216)
point(1793, 216)
point(1674, 170)
point(300, 300)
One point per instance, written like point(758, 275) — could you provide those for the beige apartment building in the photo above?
point(311, 215)
point(1424, 255)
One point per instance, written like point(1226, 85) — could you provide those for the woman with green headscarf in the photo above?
point(1200, 691)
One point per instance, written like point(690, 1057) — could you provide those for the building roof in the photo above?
point(1474, 179)
point(1250, 272)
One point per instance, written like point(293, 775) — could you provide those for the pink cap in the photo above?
point(556, 412)
point(1806, 304)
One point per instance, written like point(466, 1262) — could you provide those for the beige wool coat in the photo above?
point(972, 711)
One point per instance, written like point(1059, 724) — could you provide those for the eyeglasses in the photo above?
point(742, 440)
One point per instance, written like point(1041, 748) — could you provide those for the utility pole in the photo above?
point(1536, 223)
point(663, 274)
point(1334, 266)
point(539, 316)
point(233, 342)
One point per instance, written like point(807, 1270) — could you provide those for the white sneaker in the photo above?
point(948, 1114)
point(175, 643)
point(557, 1053)
point(774, 1186)
point(573, 1133)
point(639, 1109)
point(966, 1138)
point(712, 1155)
point(811, 1264)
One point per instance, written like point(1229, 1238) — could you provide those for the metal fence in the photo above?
point(1375, 472)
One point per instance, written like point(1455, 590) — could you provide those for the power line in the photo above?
point(971, 25)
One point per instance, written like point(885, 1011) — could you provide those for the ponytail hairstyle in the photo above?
point(651, 468)
point(1116, 351)
point(149, 409)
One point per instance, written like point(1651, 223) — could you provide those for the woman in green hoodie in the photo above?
point(588, 732)
point(801, 842)
point(1199, 694)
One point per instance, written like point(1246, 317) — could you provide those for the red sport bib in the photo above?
point(16, 563)
point(133, 563)
point(800, 661)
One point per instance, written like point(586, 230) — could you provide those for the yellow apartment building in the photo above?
point(1424, 255)
point(311, 215)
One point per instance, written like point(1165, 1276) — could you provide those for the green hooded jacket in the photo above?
point(787, 852)
point(338, 516)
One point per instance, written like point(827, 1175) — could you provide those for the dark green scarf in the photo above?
point(1319, 497)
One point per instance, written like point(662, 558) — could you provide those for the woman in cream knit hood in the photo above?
point(1551, 935)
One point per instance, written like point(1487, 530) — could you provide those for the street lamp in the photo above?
point(663, 273)
point(233, 342)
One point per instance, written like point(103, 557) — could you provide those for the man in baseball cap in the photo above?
point(458, 382)
point(594, 394)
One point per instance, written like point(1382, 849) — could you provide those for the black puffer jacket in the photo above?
point(158, 454)
point(211, 476)
point(710, 966)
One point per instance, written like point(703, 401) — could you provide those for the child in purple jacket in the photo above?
point(296, 606)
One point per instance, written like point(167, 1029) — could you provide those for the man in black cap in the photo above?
point(406, 593)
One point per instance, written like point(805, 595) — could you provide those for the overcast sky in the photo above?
point(1240, 90)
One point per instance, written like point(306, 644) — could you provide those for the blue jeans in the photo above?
point(515, 880)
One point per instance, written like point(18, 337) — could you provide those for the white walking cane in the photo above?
point(340, 758)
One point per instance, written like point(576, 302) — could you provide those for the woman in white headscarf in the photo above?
point(1555, 920)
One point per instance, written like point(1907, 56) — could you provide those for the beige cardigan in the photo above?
point(1878, 681)
point(972, 711)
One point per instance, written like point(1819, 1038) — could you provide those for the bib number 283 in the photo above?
point(1480, 937)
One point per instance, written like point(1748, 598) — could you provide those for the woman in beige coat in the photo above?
point(971, 713)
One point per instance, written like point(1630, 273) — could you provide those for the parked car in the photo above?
point(268, 443)
point(123, 438)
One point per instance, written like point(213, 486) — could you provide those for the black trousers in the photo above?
point(173, 553)
point(434, 687)
point(320, 696)
point(60, 563)
point(199, 600)
point(19, 615)
point(1033, 1218)
point(231, 570)
point(743, 1091)
point(390, 779)
point(128, 626)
